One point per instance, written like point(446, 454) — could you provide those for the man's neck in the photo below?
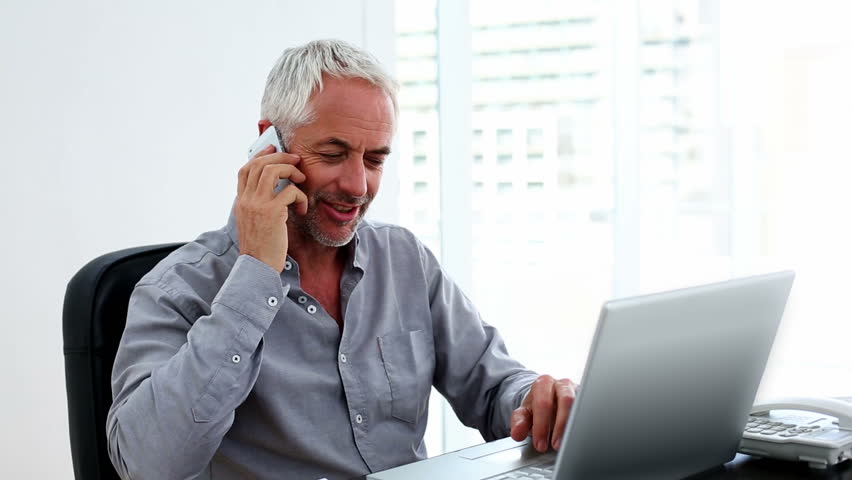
point(312, 256)
point(320, 271)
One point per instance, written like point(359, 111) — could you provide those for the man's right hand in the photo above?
point(261, 214)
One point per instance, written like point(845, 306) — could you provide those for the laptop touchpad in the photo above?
point(513, 456)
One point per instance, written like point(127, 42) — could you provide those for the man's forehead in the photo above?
point(339, 141)
point(354, 98)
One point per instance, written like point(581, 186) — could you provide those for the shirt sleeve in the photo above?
point(177, 380)
point(473, 369)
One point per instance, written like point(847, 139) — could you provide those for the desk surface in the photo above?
point(752, 468)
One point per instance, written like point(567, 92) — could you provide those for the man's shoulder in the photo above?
point(204, 259)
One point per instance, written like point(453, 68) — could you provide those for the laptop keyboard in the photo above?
point(533, 472)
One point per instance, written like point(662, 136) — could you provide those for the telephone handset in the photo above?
point(270, 136)
point(810, 429)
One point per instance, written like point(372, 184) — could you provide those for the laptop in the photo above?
point(666, 392)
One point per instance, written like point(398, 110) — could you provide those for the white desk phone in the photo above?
point(810, 429)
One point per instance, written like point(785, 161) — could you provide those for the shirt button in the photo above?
point(288, 265)
point(236, 359)
point(358, 418)
point(303, 299)
point(272, 301)
point(343, 357)
point(312, 309)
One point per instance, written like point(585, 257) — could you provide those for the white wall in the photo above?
point(122, 124)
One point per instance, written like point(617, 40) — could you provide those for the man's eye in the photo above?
point(376, 161)
point(332, 155)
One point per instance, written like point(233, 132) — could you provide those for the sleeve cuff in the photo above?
point(253, 289)
point(526, 391)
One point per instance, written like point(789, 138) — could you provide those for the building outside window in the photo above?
point(607, 160)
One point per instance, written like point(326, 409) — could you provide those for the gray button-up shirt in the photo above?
point(228, 369)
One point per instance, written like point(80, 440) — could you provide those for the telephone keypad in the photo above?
point(785, 430)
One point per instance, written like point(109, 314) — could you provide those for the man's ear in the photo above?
point(262, 125)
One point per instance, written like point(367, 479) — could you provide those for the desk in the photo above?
point(744, 467)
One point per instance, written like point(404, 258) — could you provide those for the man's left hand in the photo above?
point(544, 412)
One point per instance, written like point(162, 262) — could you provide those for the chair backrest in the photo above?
point(93, 319)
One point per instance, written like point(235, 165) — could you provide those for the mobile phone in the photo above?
point(270, 136)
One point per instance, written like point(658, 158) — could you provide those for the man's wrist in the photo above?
point(524, 397)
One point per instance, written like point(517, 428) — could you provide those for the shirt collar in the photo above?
point(359, 255)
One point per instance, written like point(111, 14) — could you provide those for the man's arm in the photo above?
point(473, 370)
point(177, 380)
point(182, 370)
point(488, 389)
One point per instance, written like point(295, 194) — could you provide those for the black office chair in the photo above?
point(93, 319)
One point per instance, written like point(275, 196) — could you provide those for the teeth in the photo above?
point(342, 209)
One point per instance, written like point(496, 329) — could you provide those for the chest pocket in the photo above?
point(409, 359)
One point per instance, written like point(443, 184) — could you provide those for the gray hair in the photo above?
point(298, 74)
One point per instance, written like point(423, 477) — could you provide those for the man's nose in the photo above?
point(353, 180)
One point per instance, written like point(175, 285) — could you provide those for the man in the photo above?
point(301, 340)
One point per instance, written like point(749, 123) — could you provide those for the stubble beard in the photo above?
point(309, 225)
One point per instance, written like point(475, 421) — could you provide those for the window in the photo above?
point(608, 160)
point(417, 134)
point(683, 182)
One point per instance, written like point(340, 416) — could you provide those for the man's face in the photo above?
point(342, 152)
